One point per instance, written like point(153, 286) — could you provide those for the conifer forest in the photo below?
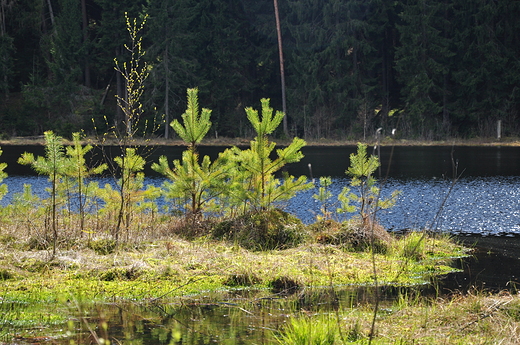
point(432, 69)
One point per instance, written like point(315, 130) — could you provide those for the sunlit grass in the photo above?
point(152, 270)
point(470, 319)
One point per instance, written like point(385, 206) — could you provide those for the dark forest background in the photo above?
point(433, 69)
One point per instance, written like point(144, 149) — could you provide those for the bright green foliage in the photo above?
point(267, 124)
point(198, 183)
point(77, 152)
point(129, 197)
point(321, 330)
point(79, 171)
point(259, 185)
point(324, 194)
point(26, 206)
point(195, 124)
point(56, 165)
point(361, 170)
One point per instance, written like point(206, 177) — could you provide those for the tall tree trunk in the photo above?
point(51, 12)
point(282, 69)
point(167, 95)
point(86, 67)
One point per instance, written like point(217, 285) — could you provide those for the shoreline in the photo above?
point(39, 140)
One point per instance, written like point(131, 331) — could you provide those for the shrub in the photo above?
point(355, 234)
point(263, 230)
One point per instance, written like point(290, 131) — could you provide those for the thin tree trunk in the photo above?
point(51, 12)
point(86, 66)
point(121, 95)
point(167, 95)
point(282, 69)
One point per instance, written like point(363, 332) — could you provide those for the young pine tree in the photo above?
point(130, 196)
point(198, 182)
point(362, 169)
point(323, 196)
point(56, 165)
point(79, 172)
point(259, 186)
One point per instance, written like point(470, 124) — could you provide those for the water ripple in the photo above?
point(478, 205)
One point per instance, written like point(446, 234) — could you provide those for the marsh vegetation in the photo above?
point(221, 229)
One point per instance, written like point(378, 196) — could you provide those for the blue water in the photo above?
point(487, 206)
point(483, 205)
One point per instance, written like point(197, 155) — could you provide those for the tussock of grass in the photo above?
point(458, 319)
point(353, 235)
point(266, 230)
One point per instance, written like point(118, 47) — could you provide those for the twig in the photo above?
point(496, 306)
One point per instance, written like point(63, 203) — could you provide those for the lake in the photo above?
point(483, 201)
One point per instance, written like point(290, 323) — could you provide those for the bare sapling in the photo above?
point(125, 166)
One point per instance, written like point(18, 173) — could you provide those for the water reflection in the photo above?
point(398, 161)
point(228, 317)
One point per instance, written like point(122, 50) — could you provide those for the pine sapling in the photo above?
point(80, 172)
point(260, 186)
point(200, 182)
point(56, 165)
point(323, 196)
point(369, 200)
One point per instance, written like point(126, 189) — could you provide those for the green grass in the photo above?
point(151, 273)
point(318, 330)
point(470, 319)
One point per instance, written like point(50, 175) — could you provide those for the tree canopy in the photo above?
point(433, 69)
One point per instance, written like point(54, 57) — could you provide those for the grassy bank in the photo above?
point(223, 141)
point(40, 297)
point(176, 267)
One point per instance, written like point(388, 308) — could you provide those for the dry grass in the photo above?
point(459, 319)
point(224, 141)
point(473, 318)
